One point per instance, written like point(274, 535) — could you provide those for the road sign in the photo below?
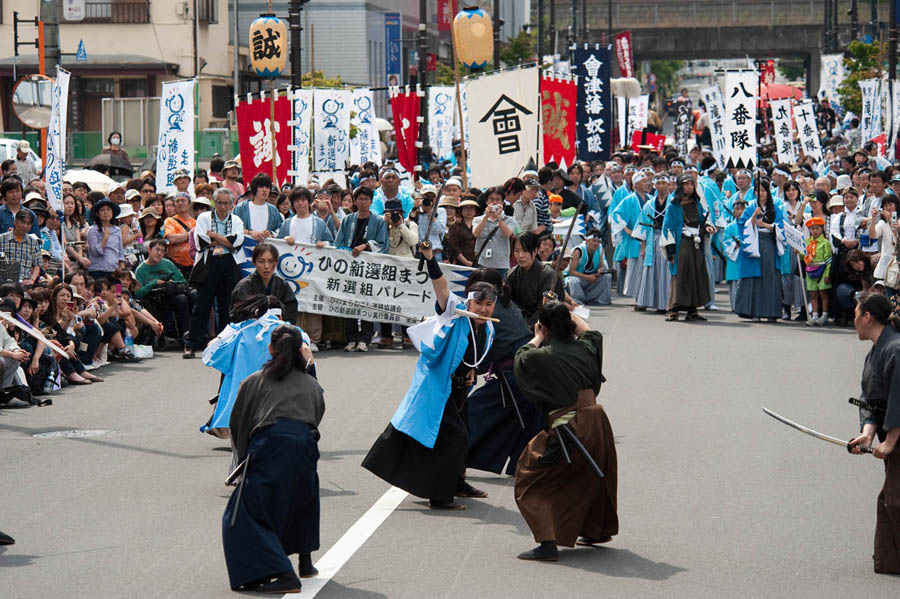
point(80, 54)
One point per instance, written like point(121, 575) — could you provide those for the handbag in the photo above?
point(892, 274)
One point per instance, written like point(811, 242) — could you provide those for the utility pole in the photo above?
point(874, 21)
point(422, 39)
point(584, 23)
point(826, 34)
point(609, 22)
point(540, 30)
point(854, 19)
point(835, 37)
point(295, 7)
point(552, 31)
point(498, 23)
point(50, 17)
point(892, 43)
point(236, 38)
point(573, 29)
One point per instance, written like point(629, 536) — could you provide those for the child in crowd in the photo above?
point(818, 271)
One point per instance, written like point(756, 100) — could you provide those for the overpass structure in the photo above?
point(706, 29)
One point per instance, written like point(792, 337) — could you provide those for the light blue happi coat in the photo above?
point(626, 214)
point(241, 349)
point(441, 341)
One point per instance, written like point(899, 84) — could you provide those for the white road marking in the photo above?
point(341, 552)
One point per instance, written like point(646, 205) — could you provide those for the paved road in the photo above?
point(716, 499)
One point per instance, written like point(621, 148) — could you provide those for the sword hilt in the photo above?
point(868, 449)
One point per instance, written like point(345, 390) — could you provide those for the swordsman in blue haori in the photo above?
point(424, 448)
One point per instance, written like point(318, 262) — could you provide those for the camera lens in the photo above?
point(396, 217)
point(427, 201)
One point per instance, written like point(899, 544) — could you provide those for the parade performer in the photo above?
point(423, 449)
point(560, 370)
point(625, 221)
point(500, 419)
point(683, 227)
point(761, 229)
point(655, 276)
point(881, 392)
point(274, 512)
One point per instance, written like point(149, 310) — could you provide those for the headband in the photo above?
point(781, 172)
point(638, 177)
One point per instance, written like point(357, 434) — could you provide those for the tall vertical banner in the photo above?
point(331, 118)
point(56, 139)
point(624, 54)
point(302, 101)
point(175, 144)
point(255, 138)
point(638, 109)
point(445, 15)
point(405, 110)
point(784, 133)
point(622, 120)
point(365, 146)
point(441, 105)
point(559, 96)
point(870, 121)
point(741, 93)
point(594, 120)
point(895, 118)
point(503, 120)
point(831, 76)
point(712, 99)
point(393, 60)
point(683, 129)
point(805, 115)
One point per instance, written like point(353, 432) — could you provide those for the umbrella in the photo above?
point(96, 181)
point(115, 164)
point(383, 125)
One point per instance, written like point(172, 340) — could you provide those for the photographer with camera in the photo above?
point(403, 236)
point(492, 232)
point(437, 229)
point(163, 290)
point(389, 189)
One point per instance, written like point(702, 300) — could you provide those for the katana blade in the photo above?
point(811, 432)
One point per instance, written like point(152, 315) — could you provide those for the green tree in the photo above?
point(791, 70)
point(864, 62)
point(318, 79)
point(666, 72)
point(521, 48)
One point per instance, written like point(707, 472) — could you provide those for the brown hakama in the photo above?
point(562, 501)
point(887, 523)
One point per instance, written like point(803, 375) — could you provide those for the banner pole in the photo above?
point(272, 92)
point(462, 123)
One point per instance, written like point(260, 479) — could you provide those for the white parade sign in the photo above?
point(715, 107)
point(784, 131)
point(805, 115)
point(175, 144)
point(741, 93)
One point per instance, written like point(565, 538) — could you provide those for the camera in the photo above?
point(395, 209)
point(396, 216)
point(427, 201)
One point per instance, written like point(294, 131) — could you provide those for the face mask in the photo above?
point(115, 141)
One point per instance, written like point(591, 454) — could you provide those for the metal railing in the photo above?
point(112, 11)
point(646, 14)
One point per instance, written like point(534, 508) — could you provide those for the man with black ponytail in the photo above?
point(560, 494)
point(880, 416)
point(274, 512)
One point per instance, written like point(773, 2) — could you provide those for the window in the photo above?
point(222, 101)
point(117, 11)
point(208, 11)
point(133, 88)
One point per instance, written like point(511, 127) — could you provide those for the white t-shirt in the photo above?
point(886, 235)
point(259, 217)
point(302, 229)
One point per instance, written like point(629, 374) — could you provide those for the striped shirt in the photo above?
point(27, 253)
point(542, 207)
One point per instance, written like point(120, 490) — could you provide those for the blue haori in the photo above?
point(241, 349)
point(442, 341)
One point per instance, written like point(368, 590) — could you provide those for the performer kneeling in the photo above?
point(423, 449)
point(566, 479)
point(274, 512)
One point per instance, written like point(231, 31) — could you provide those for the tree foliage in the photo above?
point(318, 79)
point(791, 70)
point(666, 72)
point(522, 48)
point(863, 62)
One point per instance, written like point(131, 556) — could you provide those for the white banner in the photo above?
point(622, 117)
point(870, 120)
point(374, 287)
point(831, 76)
point(805, 116)
point(441, 106)
point(895, 120)
point(715, 107)
point(56, 139)
point(503, 120)
point(784, 130)
point(366, 145)
point(637, 114)
point(301, 109)
point(175, 144)
point(796, 238)
point(332, 128)
point(741, 92)
point(464, 102)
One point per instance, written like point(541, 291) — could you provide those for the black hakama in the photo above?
point(278, 513)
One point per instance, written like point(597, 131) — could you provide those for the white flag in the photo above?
point(366, 145)
point(621, 113)
point(715, 107)
point(741, 93)
point(503, 120)
point(56, 138)
point(332, 128)
point(302, 110)
point(831, 76)
point(895, 120)
point(805, 116)
point(175, 148)
point(637, 114)
point(784, 131)
point(870, 121)
point(441, 106)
